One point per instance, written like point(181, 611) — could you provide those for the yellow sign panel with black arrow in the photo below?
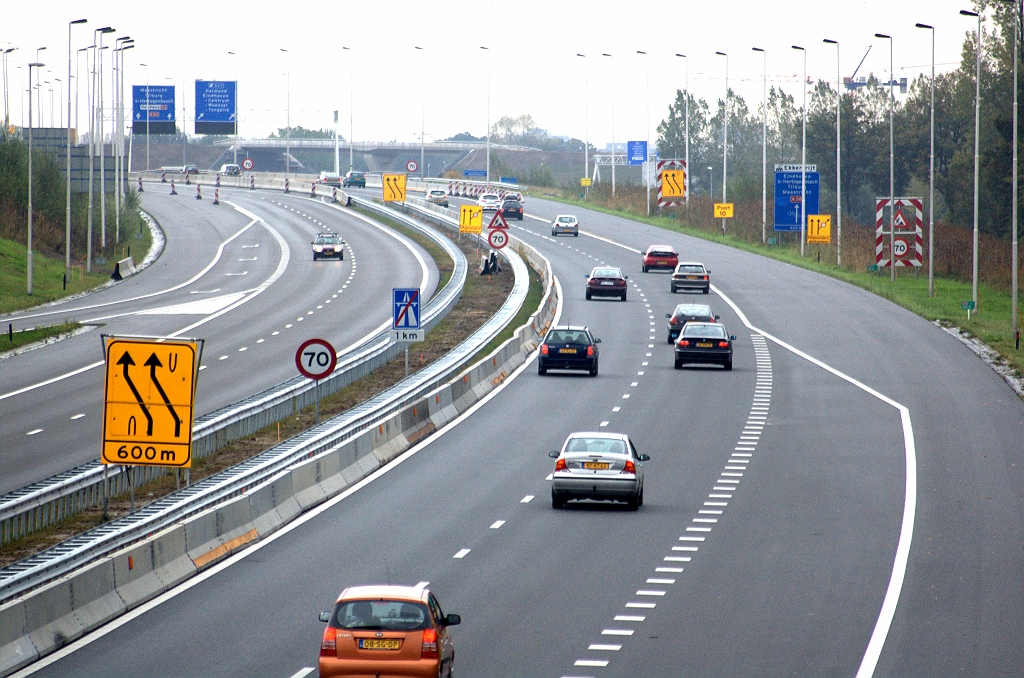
point(394, 187)
point(673, 183)
point(148, 399)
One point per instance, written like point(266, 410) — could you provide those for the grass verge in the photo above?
point(12, 340)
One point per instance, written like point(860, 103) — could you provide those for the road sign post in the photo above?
point(394, 187)
point(316, 360)
point(148, 400)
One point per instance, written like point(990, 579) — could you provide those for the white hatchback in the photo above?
point(490, 202)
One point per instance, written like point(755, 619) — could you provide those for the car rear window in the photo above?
point(689, 268)
point(511, 202)
point(355, 175)
point(385, 615)
point(597, 445)
point(566, 220)
point(568, 337)
point(606, 273)
point(437, 194)
point(691, 310)
point(708, 331)
point(663, 253)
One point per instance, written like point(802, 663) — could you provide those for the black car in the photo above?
point(354, 179)
point(704, 343)
point(605, 281)
point(512, 209)
point(685, 313)
point(568, 347)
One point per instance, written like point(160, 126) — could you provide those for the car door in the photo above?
point(636, 462)
point(447, 645)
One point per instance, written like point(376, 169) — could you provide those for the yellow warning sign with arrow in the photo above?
point(394, 187)
point(148, 397)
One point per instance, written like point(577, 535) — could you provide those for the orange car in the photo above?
point(387, 630)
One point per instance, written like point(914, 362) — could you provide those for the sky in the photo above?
point(530, 64)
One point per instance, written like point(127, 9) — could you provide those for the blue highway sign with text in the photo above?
point(787, 198)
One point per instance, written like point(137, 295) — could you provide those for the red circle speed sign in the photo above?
point(411, 166)
point(497, 238)
point(248, 164)
point(316, 359)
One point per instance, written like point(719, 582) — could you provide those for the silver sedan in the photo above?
point(602, 466)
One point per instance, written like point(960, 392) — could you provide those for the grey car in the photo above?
point(601, 466)
point(566, 224)
point(691, 275)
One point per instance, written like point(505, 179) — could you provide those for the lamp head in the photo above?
point(830, 42)
point(78, 21)
point(967, 12)
point(925, 26)
point(883, 36)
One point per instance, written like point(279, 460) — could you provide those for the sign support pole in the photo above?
point(407, 361)
point(316, 386)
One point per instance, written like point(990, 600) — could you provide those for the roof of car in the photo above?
point(661, 247)
point(598, 434)
point(571, 216)
point(700, 306)
point(690, 263)
point(574, 328)
point(382, 591)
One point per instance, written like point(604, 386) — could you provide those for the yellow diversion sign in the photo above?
point(148, 399)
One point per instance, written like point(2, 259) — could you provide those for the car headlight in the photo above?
point(318, 248)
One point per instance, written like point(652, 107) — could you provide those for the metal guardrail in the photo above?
point(51, 500)
point(73, 553)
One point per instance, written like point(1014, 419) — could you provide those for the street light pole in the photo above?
point(234, 61)
point(99, 124)
point(725, 137)
point(29, 262)
point(931, 172)
point(803, 158)
point(711, 182)
point(423, 116)
point(977, 134)
point(7, 116)
point(488, 115)
point(39, 93)
point(647, 122)
point(288, 124)
point(147, 114)
point(839, 165)
point(764, 146)
point(350, 98)
point(892, 189)
point(613, 122)
point(586, 126)
point(686, 132)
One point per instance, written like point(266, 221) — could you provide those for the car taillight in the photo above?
point(543, 349)
point(560, 465)
point(328, 648)
point(590, 351)
point(723, 344)
point(630, 467)
point(705, 277)
point(620, 282)
point(673, 321)
point(429, 649)
point(684, 342)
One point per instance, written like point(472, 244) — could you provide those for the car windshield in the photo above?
point(596, 445)
point(566, 220)
point(568, 337)
point(690, 268)
point(606, 273)
point(387, 615)
point(704, 331)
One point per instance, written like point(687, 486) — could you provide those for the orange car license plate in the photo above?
point(704, 344)
point(596, 465)
point(380, 644)
point(566, 350)
point(691, 277)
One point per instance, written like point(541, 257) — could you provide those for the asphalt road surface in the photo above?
point(241, 279)
point(774, 516)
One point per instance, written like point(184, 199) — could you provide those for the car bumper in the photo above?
point(704, 355)
point(665, 266)
point(566, 363)
point(691, 284)
point(571, 486)
point(330, 255)
point(564, 231)
point(674, 331)
point(606, 291)
point(365, 668)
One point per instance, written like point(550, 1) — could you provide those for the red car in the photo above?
point(659, 256)
point(605, 281)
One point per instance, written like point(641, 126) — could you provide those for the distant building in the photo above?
point(54, 140)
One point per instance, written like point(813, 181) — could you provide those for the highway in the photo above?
point(239, 275)
point(776, 505)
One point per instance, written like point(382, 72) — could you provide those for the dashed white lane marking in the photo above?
point(617, 632)
point(641, 606)
point(223, 357)
point(496, 524)
point(630, 617)
point(616, 408)
point(260, 341)
point(591, 662)
point(604, 423)
point(34, 431)
point(462, 554)
point(604, 647)
point(243, 348)
point(202, 367)
point(274, 333)
point(655, 580)
point(527, 499)
point(78, 416)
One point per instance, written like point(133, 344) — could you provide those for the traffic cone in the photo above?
point(199, 192)
point(173, 192)
point(216, 196)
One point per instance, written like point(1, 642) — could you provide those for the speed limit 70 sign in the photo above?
point(497, 238)
point(316, 359)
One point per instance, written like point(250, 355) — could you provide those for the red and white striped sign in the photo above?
point(907, 240)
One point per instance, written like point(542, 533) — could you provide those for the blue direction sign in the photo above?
point(787, 196)
point(216, 111)
point(153, 104)
point(474, 173)
point(636, 151)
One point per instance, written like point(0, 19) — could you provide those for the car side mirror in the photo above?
point(553, 454)
point(625, 277)
point(597, 341)
point(708, 271)
point(452, 620)
point(718, 317)
point(668, 315)
point(325, 616)
point(732, 337)
point(644, 457)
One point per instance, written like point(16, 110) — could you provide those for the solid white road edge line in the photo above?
point(899, 570)
point(299, 521)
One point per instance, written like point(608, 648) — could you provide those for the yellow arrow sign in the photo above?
point(148, 402)
point(471, 219)
point(723, 210)
point(819, 229)
point(394, 187)
point(673, 183)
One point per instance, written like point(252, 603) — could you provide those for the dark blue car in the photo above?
point(568, 347)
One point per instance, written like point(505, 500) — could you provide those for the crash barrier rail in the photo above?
point(49, 501)
point(156, 548)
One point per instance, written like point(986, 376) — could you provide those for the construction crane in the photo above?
point(853, 82)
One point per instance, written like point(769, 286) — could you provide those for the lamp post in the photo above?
point(119, 129)
point(711, 182)
point(488, 115)
point(234, 61)
point(892, 189)
point(725, 137)
point(288, 123)
point(146, 66)
point(47, 82)
point(686, 131)
point(350, 98)
point(839, 202)
point(67, 166)
point(337, 150)
point(764, 146)
point(803, 158)
point(977, 129)
point(931, 173)
point(29, 262)
point(99, 125)
point(613, 122)
point(39, 92)
point(647, 124)
point(423, 115)
point(586, 127)
point(7, 116)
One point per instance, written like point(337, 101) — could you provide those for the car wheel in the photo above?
point(668, 339)
point(557, 501)
point(640, 499)
point(679, 364)
point(633, 503)
point(314, 257)
point(707, 290)
point(728, 366)
point(541, 369)
point(593, 370)
point(644, 269)
point(588, 295)
point(673, 287)
point(576, 234)
point(623, 296)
